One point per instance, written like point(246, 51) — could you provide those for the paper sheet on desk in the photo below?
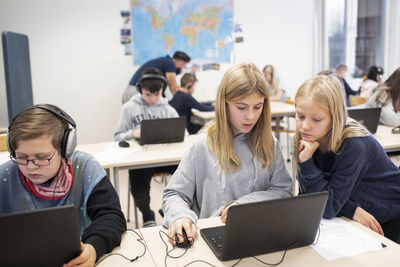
point(339, 238)
point(111, 155)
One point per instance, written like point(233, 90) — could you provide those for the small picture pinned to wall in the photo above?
point(211, 66)
point(126, 32)
point(238, 33)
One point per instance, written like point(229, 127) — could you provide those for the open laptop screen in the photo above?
point(159, 131)
point(368, 117)
point(262, 227)
point(45, 237)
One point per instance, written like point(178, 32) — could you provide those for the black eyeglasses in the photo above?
point(37, 162)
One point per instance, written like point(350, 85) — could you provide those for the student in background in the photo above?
point(371, 81)
point(169, 67)
point(236, 161)
point(341, 72)
point(387, 96)
point(147, 105)
point(45, 171)
point(336, 154)
point(276, 93)
point(183, 101)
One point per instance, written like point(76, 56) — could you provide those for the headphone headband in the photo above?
point(69, 140)
point(150, 76)
point(60, 114)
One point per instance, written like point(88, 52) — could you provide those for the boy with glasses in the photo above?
point(45, 171)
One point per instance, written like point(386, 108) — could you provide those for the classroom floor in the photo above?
point(157, 188)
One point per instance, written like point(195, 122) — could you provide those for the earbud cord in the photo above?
point(54, 192)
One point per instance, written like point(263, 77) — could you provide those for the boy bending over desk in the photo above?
point(237, 160)
point(147, 105)
point(45, 171)
point(183, 101)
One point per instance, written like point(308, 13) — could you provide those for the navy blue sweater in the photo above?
point(183, 103)
point(360, 174)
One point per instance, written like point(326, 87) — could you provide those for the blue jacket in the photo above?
point(164, 64)
point(183, 103)
point(359, 174)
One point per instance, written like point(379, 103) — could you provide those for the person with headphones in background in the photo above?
point(371, 81)
point(170, 67)
point(46, 171)
point(149, 104)
point(183, 101)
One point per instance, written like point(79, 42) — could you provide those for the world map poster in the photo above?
point(202, 29)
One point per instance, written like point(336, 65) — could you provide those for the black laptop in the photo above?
point(368, 117)
point(267, 226)
point(46, 237)
point(159, 131)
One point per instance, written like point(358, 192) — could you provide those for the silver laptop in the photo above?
point(46, 237)
point(159, 131)
point(267, 226)
point(368, 117)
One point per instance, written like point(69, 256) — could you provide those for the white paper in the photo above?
point(339, 238)
point(114, 154)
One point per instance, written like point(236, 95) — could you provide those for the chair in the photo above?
point(357, 100)
point(163, 178)
point(287, 129)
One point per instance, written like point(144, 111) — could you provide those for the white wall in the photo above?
point(76, 59)
point(275, 32)
point(78, 63)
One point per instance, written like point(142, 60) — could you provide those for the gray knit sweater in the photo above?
point(199, 190)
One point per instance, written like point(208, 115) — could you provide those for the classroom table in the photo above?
point(146, 156)
point(304, 256)
point(388, 140)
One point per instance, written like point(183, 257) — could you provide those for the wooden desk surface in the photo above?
point(304, 256)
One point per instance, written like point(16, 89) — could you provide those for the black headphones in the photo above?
point(145, 77)
point(69, 139)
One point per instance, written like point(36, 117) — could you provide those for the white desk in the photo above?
point(141, 156)
point(304, 256)
point(389, 141)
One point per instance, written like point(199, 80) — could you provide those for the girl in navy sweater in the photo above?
point(336, 154)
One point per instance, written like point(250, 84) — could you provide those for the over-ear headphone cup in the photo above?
point(68, 143)
point(11, 151)
point(64, 142)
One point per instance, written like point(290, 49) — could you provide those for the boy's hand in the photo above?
point(136, 133)
point(87, 257)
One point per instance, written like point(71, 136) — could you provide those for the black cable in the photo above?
point(186, 249)
point(140, 240)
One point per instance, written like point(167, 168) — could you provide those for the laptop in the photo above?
point(159, 131)
point(368, 117)
point(45, 237)
point(263, 227)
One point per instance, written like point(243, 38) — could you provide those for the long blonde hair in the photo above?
point(326, 92)
point(238, 82)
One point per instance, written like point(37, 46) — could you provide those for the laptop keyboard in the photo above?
point(215, 236)
point(217, 240)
